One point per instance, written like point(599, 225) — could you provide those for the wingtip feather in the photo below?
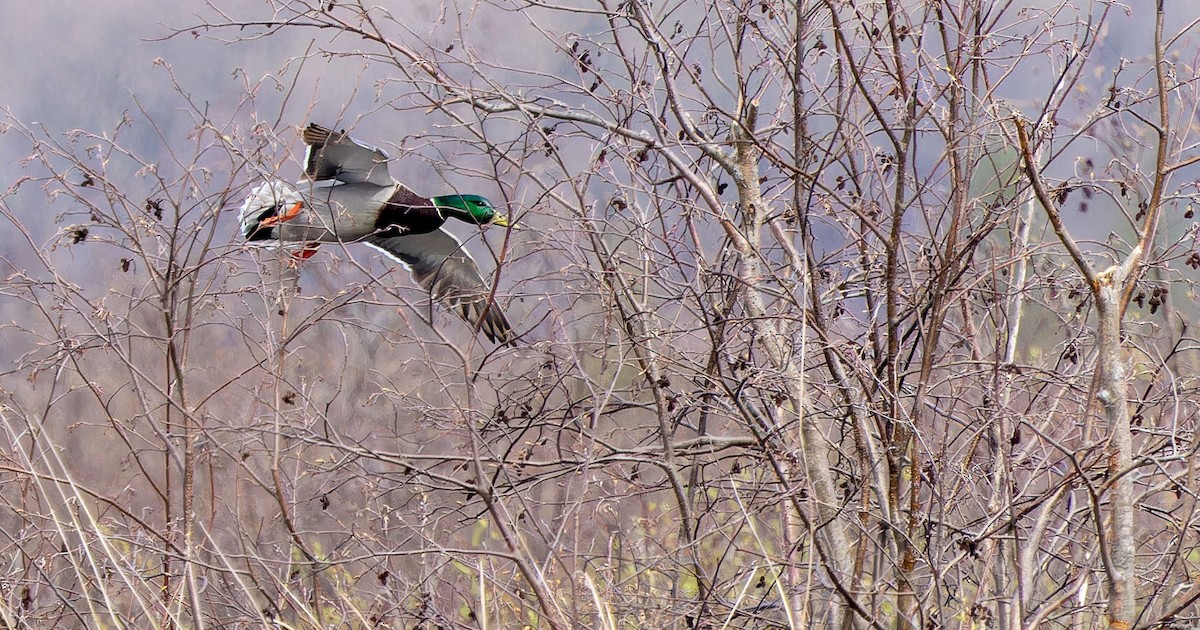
point(316, 135)
point(496, 328)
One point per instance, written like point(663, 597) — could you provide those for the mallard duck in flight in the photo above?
point(350, 197)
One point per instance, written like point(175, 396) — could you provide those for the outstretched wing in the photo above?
point(335, 155)
point(442, 267)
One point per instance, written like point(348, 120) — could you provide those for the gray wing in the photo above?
point(335, 155)
point(442, 267)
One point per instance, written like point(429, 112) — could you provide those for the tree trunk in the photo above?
point(808, 440)
point(1112, 394)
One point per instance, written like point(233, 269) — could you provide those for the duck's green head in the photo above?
point(472, 209)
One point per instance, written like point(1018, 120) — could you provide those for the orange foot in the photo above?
point(306, 252)
point(288, 215)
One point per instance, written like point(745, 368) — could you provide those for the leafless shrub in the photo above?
point(817, 325)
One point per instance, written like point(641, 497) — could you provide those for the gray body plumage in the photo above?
point(341, 213)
